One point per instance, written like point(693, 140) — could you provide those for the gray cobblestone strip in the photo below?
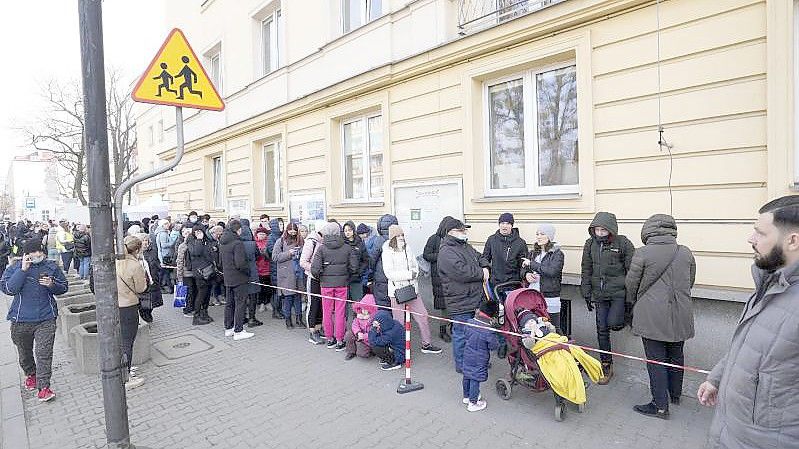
point(13, 427)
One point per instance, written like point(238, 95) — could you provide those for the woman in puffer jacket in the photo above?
point(544, 272)
point(401, 269)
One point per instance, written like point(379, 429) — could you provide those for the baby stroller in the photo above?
point(524, 304)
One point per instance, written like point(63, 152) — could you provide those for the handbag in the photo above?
point(205, 272)
point(408, 292)
point(180, 295)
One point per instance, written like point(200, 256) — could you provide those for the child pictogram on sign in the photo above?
point(189, 78)
point(166, 80)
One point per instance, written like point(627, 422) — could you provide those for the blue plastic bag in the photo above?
point(180, 295)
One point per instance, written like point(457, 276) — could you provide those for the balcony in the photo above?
point(476, 15)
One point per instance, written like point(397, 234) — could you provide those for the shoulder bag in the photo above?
point(408, 292)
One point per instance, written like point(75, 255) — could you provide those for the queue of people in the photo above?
point(648, 288)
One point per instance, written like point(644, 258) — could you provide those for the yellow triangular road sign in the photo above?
point(175, 77)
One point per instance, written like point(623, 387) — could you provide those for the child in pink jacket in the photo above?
point(357, 337)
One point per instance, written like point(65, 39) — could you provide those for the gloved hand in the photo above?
point(589, 305)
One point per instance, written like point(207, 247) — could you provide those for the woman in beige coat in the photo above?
point(131, 281)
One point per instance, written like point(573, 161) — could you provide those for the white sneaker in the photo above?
point(229, 332)
point(476, 407)
point(243, 335)
point(134, 382)
point(466, 400)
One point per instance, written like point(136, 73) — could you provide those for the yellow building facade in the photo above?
point(552, 114)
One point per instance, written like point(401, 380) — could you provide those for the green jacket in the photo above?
point(605, 263)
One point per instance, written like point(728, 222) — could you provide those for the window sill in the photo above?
point(277, 207)
point(539, 197)
point(346, 204)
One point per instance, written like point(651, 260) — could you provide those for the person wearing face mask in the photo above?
point(607, 256)
point(401, 269)
point(131, 282)
point(462, 271)
point(199, 259)
point(193, 218)
point(33, 281)
point(543, 271)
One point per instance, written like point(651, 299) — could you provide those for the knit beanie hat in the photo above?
point(507, 217)
point(362, 229)
point(548, 230)
point(330, 229)
point(490, 308)
point(394, 230)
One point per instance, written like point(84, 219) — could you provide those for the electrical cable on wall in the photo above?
point(662, 143)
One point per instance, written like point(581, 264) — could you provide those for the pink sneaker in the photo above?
point(45, 394)
point(30, 382)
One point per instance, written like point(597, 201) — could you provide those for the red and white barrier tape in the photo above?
point(447, 320)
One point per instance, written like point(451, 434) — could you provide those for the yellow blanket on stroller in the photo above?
point(560, 368)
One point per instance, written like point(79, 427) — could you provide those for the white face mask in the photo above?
point(461, 236)
point(37, 259)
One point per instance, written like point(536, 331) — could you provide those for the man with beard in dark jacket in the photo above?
point(462, 271)
point(430, 254)
point(375, 248)
point(607, 257)
point(237, 278)
point(505, 250)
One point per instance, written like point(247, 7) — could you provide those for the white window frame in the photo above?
point(365, 14)
point(275, 42)
point(218, 81)
point(530, 141)
point(160, 130)
point(217, 201)
point(278, 186)
point(150, 136)
point(366, 168)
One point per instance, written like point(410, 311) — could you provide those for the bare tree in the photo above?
point(60, 130)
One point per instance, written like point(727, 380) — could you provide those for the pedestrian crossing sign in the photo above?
point(176, 77)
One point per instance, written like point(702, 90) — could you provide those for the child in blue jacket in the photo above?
point(387, 338)
point(480, 341)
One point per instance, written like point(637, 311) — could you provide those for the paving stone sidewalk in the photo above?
point(277, 390)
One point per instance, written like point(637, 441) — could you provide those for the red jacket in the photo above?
point(262, 262)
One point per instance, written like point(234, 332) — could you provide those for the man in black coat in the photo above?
point(236, 272)
point(505, 250)
point(462, 271)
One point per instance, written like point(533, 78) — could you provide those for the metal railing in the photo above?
point(479, 14)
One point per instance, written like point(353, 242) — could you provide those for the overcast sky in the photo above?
point(41, 42)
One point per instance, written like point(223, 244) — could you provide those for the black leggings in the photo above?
point(314, 304)
point(128, 327)
point(202, 289)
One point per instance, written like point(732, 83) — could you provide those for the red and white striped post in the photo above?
point(407, 385)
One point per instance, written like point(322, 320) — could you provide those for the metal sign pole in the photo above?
point(123, 188)
point(104, 270)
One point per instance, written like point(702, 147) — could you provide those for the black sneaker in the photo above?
point(431, 349)
point(349, 356)
point(652, 410)
point(340, 347)
point(331, 344)
point(385, 366)
point(675, 400)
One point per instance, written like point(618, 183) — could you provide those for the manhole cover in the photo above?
point(181, 346)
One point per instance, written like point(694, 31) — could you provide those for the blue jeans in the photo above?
point(609, 315)
point(471, 389)
point(288, 302)
point(83, 270)
point(459, 338)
